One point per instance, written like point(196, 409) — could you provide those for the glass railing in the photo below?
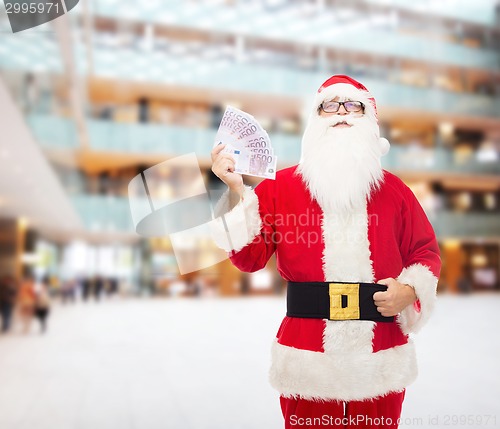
point(287, 81)
point(175, 140)
point(466, 225)
point(35, 51)
point(162, 64)
point(289, 23)
point(150, 138)
point(216, 74)
point(480, 12)
point(432, 100)
point(54, 132)
point(173, 12)
point(59, 133)
point(223, 75)
point(104, 213)
point(328, 29)
point(415, 158)
point(112, 214)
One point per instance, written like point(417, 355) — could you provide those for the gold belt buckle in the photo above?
point(351, 291)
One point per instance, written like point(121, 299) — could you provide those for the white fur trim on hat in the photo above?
point(384, 146)
point(234, 228)
point(421, 278)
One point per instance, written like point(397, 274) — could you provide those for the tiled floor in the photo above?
point(200, 364)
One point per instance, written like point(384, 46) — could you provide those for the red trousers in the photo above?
point(378, 413)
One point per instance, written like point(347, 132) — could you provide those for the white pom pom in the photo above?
point(384, 146)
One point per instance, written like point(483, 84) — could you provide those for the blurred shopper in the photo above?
point(144, 110)
point(98, 287)
point(68, 291)
point(26, 303)
point(31, 93)
point(360, 257)
point(42, 305)
point(113, 286)
point(464, 284)
point(86, 288)
point(8, 295)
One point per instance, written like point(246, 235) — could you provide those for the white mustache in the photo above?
point(325, 124)
point(331, 121)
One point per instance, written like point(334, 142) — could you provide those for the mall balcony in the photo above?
point(135, 89)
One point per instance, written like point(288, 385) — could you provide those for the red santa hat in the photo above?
point(345, 87)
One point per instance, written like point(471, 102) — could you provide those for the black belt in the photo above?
point(334, 301)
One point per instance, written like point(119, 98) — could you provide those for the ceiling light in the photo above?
point(30, 258)
point(487, 153)
point(22, 222)
point(446, 129)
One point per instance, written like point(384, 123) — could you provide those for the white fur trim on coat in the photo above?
point(341, 375)
point(346, 256)
point(349, 336)
point(425, 283)
point(234, 228)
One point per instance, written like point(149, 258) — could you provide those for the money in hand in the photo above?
point(248, 143)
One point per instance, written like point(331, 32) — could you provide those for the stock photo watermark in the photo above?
point(26, 14)
point(436, 420)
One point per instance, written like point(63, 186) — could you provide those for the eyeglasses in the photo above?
point(334, 106)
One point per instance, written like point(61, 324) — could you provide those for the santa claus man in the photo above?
point(360, 258)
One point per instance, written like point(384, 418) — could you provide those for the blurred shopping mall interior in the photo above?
point(112, 88)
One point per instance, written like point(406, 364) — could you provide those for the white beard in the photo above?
point(341, 166)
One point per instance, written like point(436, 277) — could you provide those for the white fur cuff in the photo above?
point(421, 278)
point(234, 229)
point(342, 376)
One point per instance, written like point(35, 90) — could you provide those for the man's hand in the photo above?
point(396, 298)
point(223, 168)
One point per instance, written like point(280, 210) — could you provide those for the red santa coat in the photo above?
point(389, 237)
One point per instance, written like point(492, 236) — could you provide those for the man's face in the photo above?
point(340, 151)
point(340, 120)
point(341, 108)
